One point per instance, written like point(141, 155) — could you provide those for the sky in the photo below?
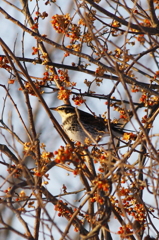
point(12, 35)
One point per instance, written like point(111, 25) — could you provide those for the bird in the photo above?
point(80, 125)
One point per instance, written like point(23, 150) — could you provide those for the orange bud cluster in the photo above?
point(156, 74)
point(125, 231)
point(103, 185)
point(129, 136)
point(42, 15)
point(7, 190)
point(82, 22)
point(63, 94)
point(135, 89)
point(16, 171)
point(130, 205)
point(49, 76)
point(46, 157)
point(140, 38)
point(35, 50)
point(123, 112)
point(60, 22)
point(75, 47)
point(116, 24)
point(63, 210)
point(149, 101)
point(78, 100)
point(28, 87)
point(3, 63)
point(11, 81)
point(99, 71)
point(87, 37)
point(146, 23)
point(64, 78)
point(144, 119)
point(64, 154)
point(63, 24)
point(34, 26)
point(97, 198)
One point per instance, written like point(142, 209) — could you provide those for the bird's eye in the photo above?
point(67, 110)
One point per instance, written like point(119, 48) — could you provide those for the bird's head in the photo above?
point(65, 111)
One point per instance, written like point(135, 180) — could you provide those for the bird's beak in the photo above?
point(53, 108)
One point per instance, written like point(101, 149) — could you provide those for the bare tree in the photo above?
point(103, 57)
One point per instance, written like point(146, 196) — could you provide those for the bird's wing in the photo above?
point(96, 122)
point(100, 125)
